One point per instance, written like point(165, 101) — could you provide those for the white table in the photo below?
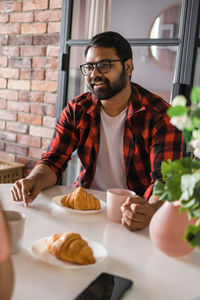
point(130, 254)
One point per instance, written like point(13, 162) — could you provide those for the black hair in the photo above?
point(111, 39)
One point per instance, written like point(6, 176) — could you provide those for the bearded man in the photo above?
point(120, 130)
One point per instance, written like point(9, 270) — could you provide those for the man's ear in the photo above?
point(129, 66)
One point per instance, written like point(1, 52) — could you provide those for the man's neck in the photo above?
point(115, 105)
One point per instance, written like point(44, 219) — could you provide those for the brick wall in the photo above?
point(29, 47)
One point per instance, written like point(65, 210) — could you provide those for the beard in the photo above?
point(111, 89)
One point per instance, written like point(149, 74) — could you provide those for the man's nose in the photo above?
point(95, 71)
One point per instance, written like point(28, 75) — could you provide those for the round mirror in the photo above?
point(165, 26)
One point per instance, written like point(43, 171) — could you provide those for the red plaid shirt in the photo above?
point(149, 139)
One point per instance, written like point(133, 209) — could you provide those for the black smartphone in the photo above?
point(106, 287)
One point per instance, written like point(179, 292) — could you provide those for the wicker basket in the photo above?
point(10, 171)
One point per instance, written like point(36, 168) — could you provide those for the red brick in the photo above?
point(33, 51)
point(17, 127)
point(30, 119)
point(9, 73)
point(3, 104)
point(50, 98)
point(20, 62)
point(52, 51)
point(10, 28)
point(10, 6)
point(10, 95)
point(3, 83)
point(51, 75)
point(28, 140)
point(55, 4)
point(9, 51)
point(49, 121)
point(43, 62)
point(3, 61)
point(2, 125)
point(46, 86)
point(21, 17)
point(47, 39)
point(35, 5)
point(35, 153)
point(5, 115)
point(31, 96)
point(18, 84)
point(7, 156)
point(20, 40)
point(48, 16)
point(53, 27)
point(33, 28)
point(31, 74)
point(3, 40)
point(17, 149)
point(4, 18)
point(45, 144)
point(39, 62)
point(41, 131)
point(17, 106)
point(8, 136)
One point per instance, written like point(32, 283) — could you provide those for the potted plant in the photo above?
point(181, 178)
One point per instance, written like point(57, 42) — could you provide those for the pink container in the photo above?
point(115, 199)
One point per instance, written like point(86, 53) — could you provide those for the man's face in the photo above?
point(106, 86)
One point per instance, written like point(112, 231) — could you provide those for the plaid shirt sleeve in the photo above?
point(150, 139)
point(63, 143)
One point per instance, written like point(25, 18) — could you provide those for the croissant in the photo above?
point(80, 199)
point(70, 247)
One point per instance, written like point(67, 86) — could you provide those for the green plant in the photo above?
point(181, 178)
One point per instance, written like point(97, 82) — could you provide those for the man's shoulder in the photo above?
point(82, 99)
point(148, 99)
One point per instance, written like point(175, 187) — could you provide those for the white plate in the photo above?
point(40, 251)
point(56, 200)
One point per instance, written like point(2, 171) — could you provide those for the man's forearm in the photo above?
point(155, 202)
point(43, 175)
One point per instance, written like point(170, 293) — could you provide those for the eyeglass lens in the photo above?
point(102, 67)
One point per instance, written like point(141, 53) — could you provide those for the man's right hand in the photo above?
point(25, 190)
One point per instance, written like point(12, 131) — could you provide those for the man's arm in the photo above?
point(27, 189)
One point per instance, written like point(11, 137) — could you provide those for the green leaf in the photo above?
point(187, 136)
point(195, 95)
point(192, 235)
point(177, 111)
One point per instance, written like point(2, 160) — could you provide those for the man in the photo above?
point(120, 130)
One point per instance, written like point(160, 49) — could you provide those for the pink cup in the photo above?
point(115, 199)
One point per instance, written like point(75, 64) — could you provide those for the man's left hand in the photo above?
point(137, 213)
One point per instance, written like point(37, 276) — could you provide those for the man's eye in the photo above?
point(88, 67)
point(104, 65)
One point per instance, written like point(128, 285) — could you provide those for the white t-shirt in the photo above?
point(110, 168)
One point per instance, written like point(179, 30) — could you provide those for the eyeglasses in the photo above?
point(103, 66)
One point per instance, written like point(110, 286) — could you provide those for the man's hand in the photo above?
point(25, 190)
point(137, 213)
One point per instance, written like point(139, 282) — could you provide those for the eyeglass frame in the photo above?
point(96, 64)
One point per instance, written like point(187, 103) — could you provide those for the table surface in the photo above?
point(132, 255)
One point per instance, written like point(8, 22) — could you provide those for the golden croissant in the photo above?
point(80, 199)
point(70, 247)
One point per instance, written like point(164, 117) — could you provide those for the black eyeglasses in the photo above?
point(103, 66)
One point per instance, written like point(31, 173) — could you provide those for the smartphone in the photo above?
point(106, 287)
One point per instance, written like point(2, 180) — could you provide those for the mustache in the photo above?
point(98, 78)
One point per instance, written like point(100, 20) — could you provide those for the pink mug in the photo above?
point(115, 199)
